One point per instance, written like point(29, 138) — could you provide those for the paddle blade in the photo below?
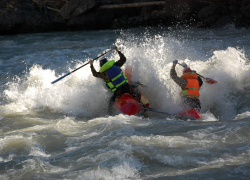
point(210, 81)
point(128, 73)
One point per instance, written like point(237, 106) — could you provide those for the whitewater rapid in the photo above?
point(150, 56)
point(63, 130)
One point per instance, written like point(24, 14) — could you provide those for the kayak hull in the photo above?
point(127, 105)
point(192, 113)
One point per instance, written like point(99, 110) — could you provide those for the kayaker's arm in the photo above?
point(200, 81)
point(180, 81)
point(122, 59)
point(95, 73)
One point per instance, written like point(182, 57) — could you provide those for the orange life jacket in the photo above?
point(192, 88)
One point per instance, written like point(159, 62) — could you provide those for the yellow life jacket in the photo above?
point(115, 75)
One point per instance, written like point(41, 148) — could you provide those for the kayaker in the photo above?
point(113, 76)
point(190, 84)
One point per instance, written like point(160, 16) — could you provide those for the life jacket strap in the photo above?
point(115, 78)
point(114, 88)
point(195, 96)
point(192, 88)
point(185, 93)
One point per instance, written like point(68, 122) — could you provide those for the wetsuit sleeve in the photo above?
point(121, 61)
point(200, 81)
point(97, 74)
point(180, 81)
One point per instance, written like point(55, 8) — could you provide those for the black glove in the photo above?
point(175, 62)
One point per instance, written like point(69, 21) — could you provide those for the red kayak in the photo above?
point(192, 113)
point(127, 104)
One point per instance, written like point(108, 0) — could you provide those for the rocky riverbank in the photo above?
point(31, 16)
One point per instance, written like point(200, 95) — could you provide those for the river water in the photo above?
point(63, 131)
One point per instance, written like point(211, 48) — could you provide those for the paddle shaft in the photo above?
point(154, 110)
point(93, 60)
point(208, 80)
point(53, 82)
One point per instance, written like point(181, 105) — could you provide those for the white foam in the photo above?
point(151, 57)
point(40, 166)
point(15, 144)
point(68, 126)
point(208, 116)
point(72, 95)
point(160, 141)
point(243, 115)
point(117, 173)
point(38, 150)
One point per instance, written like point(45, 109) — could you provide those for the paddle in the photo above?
point(154, 110)
point(172, 115)
point(53, 82)
point(207, 80)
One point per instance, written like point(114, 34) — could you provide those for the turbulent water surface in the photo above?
point(63, 130)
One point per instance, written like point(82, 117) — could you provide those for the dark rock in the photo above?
point(135, 21)
point(226, 20)
point(235, 2)
point(237, 16)
point(95, 20)
point(125, 17)
point(146, 10)
point(183, 11)
point(234, 8)
point(20, 16)
point(29, 16)
point(245, 3)
point(245, 10)
point(211, 14)
point(235, 5)
point(77, 7)
point(118, 24)
point(157, 17)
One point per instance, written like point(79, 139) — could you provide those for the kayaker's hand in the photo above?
point(175, 62)
point(116, 48)
point(91, 62)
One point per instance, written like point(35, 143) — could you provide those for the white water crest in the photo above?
point(151, 57)
point(63, 130)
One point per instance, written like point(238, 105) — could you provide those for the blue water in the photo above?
point(63, 130)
